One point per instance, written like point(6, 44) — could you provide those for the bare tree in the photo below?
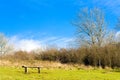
point(91, 27)
point(4, 46)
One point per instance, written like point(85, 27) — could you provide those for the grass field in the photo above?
point(17, 73)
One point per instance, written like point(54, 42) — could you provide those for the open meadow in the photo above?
point(60, 72)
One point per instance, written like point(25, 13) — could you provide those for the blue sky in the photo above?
point(42, 16)
point(48, 21)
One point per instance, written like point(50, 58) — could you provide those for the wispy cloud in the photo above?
point(30, 44)
point(113, 6)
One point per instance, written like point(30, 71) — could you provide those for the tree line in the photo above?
point(107, 56)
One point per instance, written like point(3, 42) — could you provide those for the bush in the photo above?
point(95, 56)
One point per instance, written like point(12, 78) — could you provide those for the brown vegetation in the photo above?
point(107, 56)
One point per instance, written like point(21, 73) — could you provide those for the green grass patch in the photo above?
point(16, 73)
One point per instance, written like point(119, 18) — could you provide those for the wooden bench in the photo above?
point(26, 68)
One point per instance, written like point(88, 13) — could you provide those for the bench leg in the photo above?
point(25, 70)
point(38, 70)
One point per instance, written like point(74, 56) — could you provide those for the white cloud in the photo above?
point(25, 44)
point(117, 36)
point(28, 45)
point(33, 44)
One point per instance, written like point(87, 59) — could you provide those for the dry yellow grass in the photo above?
point(44, 64)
